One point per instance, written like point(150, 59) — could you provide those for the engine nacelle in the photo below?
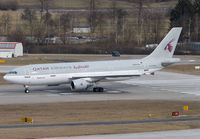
point(80, 84)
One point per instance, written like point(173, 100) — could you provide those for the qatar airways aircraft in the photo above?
point(84, 75)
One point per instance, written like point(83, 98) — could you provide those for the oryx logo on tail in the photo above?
point(169, 47)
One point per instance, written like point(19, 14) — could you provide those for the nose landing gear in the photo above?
point(26, 89)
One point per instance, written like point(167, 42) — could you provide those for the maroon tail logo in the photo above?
point(169, 47)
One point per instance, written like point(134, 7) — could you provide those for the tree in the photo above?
point(39, 32)
point(101, 21)
point(65, 25)
point(183, 15)
point(6, 23)
point(120, 18)
point(92, 19)
point(112, 17)
point(113, 11)
point(139, 22)
point(29, 16)
point(17, 35)
point(44, 5)
point(48, 22)
point(197, 20)
point(157, 19)
point(121, 14)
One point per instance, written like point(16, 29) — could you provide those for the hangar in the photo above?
point(11, 49)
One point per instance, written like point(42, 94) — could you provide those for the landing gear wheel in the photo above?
point(27, 91)
point(98, 89)
point(95, 89)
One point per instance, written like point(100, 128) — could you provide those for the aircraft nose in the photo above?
point(5, 77)
point(10, 78)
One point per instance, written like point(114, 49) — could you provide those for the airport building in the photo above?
point(11, 49)
point(81, 29)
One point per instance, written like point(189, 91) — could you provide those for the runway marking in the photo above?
point(114, 91)
point(102, 123)
point(197, 93)
point(66, 94)
point(52, 95)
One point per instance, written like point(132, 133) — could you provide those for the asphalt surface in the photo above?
point(174, 134)
point(103, 123)
point(5, 69)
point(161, 86)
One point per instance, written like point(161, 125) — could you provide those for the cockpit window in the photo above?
point(12, 72)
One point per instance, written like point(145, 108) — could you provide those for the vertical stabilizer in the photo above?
point(167, 46)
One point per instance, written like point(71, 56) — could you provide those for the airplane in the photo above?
point(83, 75)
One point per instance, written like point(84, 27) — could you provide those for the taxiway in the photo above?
point(181, 134)
point(161, 86)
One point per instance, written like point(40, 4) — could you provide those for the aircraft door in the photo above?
point(27, 76)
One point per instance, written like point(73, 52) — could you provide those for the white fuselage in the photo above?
point(61, 73)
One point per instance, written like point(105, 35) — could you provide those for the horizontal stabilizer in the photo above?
point(170, 61)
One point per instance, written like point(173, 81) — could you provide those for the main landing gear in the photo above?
point(26, 89)
point(98, 89)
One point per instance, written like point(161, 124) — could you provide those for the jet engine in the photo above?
point(80, 84)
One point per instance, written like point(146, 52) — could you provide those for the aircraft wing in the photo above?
point(125, 73)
